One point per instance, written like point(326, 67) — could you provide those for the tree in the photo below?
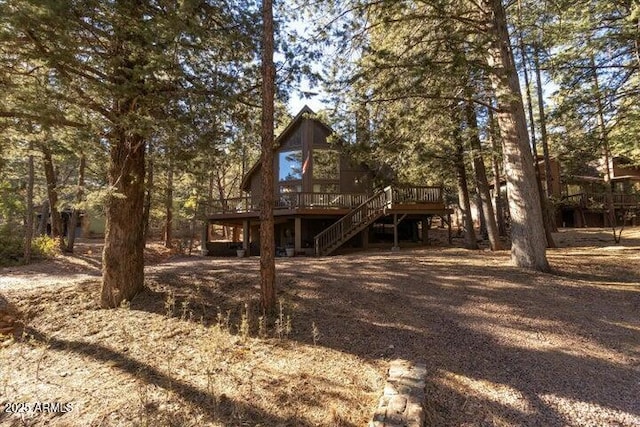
point(481, 177)
point(464, 201)
point(111, 68)
point(75, 213)
point(28, 234)
point(267, 240)
point(527, 230)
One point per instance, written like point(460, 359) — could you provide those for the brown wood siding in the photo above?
point(294, 140)
point(619, 170)
point(256, 187)
point(307, 135)
point(353, 177)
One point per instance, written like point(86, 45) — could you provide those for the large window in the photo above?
point(326, 164)
point(290, 165)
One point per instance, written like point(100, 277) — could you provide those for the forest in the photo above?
point(135, 117)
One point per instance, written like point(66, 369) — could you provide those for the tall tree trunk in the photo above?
point(192, 225)
point(52, 194)
point(604, 143)
point(75, 215)
point(484, 234)
point(267, 238)
point(28, 223)
point(44, 218)
point(528, 249)
point(123, 253)
point(470, 240)
point(223, 201)
point(168, 206)
point(149, 192)
point(544, 139)
point(497, 183)
point(481, 179)
point(546, 221)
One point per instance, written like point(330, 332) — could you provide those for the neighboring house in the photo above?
point(90, 224)
point(581, 199)
point(324, 200)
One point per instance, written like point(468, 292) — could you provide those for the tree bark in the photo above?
point(497, 184)
point(168, 205)
point(75, 215)
point(550, 209)
point(123, 254)
point(470, 240)
point(604, 143)
point(44, 218)
point(546, 220)
point(52, 195)
point(544, 139)
point(223, 201)
point(149, 192)
point(481, 179)
point(528, 249)
point(267, 240)
point(28, 224)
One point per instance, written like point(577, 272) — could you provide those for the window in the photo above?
point(326, 164)
point(290, 165)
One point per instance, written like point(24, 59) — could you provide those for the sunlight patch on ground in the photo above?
point(539, 334)
point(589, 413)
point(483, 389)
point(625, 325)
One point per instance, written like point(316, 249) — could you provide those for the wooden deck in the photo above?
point(329, 220)
point(404, 200)
point(597, 201)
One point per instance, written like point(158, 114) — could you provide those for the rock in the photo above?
point(403, 400)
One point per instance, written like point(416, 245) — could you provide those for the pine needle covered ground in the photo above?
point(502, 346)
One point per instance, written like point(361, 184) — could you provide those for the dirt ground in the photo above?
point(503, 346)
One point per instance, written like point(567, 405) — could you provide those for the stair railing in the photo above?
point(359, 217)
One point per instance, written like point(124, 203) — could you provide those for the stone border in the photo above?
point(403, 399)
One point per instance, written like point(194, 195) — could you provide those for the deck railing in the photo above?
point(591, 200)
point(348, 225)
point(417, 195)
point(303, 200)
point(233, 205)
point(289, 201)
point(319, 200)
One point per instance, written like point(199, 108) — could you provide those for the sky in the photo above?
point(296, 103)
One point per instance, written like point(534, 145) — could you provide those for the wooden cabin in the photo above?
point(583, 199)
point(324, 199)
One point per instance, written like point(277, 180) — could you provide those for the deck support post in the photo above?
point(395, 247)
point(297, 234)
point(425, 230)
point(246, 244)
point(365, 238)
point(205, 238)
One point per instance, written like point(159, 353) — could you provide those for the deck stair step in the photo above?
point(354, 222)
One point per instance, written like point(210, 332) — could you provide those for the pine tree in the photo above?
point(267, 240)
point(115, 70)
point(527, 230)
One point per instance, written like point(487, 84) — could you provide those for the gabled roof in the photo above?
point(305, 111)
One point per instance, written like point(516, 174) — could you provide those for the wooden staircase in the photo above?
point(354, 222)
